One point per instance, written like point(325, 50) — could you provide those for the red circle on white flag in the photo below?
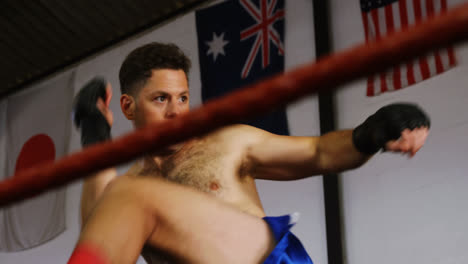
point(37, 150)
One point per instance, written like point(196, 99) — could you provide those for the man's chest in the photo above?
point(208, 166)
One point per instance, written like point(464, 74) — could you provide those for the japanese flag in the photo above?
point(35, 128)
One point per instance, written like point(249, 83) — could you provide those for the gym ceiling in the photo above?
point(41, 37)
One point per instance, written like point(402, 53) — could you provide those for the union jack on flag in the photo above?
point(263, 31)
point(239, 42)
point(381, 17)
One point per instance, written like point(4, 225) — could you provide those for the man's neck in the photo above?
point(152, 163)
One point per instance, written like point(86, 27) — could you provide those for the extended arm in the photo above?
point(289, 158)
point(398, 127)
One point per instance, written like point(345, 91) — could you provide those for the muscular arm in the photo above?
point(276, 157)
point(93, 187)
point(399, 127)
point(94, 118)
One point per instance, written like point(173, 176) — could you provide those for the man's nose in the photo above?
point(172, 110)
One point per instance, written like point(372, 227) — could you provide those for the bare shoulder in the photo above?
point(130, 175)
point(240, 133)
point(135, 169)
point(242, 130)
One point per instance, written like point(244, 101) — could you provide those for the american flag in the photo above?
point(382, 17)
point(241, 42)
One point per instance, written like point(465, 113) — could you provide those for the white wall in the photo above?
point(305, 196)
point(400, 210)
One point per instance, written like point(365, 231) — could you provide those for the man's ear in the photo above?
point(127, 104)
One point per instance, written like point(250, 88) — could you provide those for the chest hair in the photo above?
point(201, 165)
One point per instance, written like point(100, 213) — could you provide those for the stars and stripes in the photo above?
point(382, 17)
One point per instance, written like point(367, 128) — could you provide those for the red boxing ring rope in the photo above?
point(253, 100)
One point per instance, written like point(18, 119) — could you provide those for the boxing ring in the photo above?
point(328, 73)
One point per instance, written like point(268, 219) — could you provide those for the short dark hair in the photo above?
point(138, 65)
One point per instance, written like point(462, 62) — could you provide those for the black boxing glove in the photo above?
point(387, 124)
point(86, 115)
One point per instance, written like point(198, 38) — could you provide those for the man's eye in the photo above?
point(160, 99)
point(183, 99)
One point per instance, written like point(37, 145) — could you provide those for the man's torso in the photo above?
point(216, 165)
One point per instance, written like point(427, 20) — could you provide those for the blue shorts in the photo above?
point(289, 249)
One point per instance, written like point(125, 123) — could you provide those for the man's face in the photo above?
point(164, 96)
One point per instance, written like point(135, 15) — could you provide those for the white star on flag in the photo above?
point(216, 46)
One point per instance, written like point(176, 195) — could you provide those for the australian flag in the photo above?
point(239, 42)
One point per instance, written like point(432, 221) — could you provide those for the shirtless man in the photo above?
point(180, 224)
